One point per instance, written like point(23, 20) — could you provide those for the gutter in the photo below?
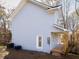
point(59, 27)
point(24, 2)
point(45, 6)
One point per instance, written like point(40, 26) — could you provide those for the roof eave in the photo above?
point(18, 8)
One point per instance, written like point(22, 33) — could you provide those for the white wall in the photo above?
point(31, 21)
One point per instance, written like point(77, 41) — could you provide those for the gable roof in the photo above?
point(18, 8)
point(24, 2)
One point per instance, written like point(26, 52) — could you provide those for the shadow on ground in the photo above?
point(21, 54)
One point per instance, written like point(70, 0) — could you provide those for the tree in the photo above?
point(71, 25)
point(5, 33)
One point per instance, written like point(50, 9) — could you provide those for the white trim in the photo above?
point(37, 40)
point(18, 8)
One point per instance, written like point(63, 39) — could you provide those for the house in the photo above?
point(32, 27)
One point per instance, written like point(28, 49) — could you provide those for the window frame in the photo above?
point(37, 42)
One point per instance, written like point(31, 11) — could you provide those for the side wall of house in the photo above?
point(30, 22)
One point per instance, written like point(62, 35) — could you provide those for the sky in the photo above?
point(13, 4)
point(10, 3)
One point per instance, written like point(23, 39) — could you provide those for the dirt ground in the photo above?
point(21, 54)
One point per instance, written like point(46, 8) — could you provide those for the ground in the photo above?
point(22, 54)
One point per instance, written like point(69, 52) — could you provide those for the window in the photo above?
point(39, 41)
point(48, 40)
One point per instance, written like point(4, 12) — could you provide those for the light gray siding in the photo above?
point(30, 22)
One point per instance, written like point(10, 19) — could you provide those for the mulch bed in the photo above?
point(22, 54)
